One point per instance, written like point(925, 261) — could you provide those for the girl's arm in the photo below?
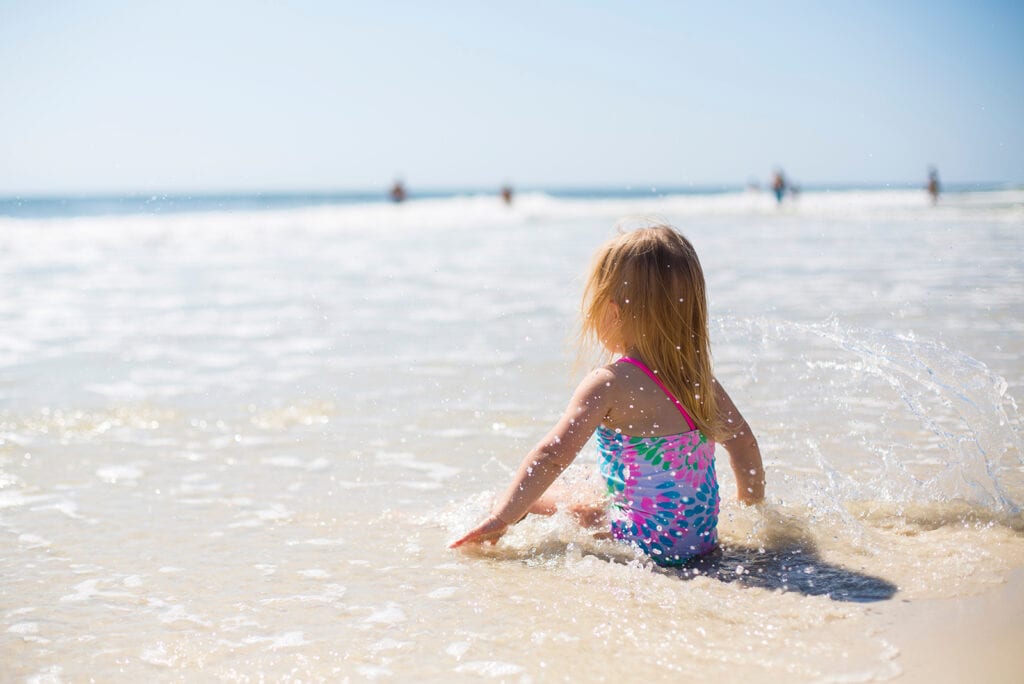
point(744, 454)
point(546, 461)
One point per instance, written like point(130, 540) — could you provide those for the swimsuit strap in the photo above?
point(640, 364)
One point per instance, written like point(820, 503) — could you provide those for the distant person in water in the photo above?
point(933, 184)
point(779, 185)
point(506, 193)
point(398, 192)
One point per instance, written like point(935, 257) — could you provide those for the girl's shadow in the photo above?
point(796, 568)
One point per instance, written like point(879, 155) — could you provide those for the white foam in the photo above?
point(457, 649)
point(65, 506)
point(288, 640)
point(489, 668)
point(314, 573)
point(428, 215)
point(33, 541)
point(49, 675)
point(156, 654)
point(331, 594)
point(317, 542)
point(178, 613)
point(127, 474)
point(278, 641)
point(435, 471)
point(24, 628)
point(275, 513)
point(19, 611)
point(388, 645)
point(89, 589)
point(316, 465)
point(284, 461)
point(11, 498)
point(391, 614)
point(7, 479)
point(373, 671)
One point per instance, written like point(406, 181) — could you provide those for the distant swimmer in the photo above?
point(398, 192)
point(933, 184)
point(779, 185)
point(506, 193)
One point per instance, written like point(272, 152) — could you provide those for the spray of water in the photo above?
point(866, 415)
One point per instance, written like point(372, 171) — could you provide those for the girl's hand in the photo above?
point(490, 531)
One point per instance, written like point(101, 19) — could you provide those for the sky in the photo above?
point(229, 96)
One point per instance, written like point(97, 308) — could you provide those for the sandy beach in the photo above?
point(975, 638)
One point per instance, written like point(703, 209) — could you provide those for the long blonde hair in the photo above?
point(654, 277)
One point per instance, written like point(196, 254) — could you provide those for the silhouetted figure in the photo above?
point(779, 185)
point(933, 184)
point(506, 193)
point(398, 192)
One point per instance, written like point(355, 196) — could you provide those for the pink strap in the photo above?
point(640, 364)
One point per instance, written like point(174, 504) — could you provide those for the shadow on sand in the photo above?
point(789, 569)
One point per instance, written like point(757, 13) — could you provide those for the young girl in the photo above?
point(656, 409)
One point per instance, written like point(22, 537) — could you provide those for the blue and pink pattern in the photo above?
point(664, 492)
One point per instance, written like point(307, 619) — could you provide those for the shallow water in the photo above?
point(234, 445)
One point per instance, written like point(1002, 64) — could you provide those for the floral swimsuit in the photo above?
point(664, 493)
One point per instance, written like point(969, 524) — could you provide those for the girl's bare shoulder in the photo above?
point(620, 379)
point(606, 383)
point(621, 373)
point(602, 378)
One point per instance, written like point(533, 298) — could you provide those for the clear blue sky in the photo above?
point(223, 95)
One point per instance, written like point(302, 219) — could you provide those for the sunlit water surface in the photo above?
point(235, 445)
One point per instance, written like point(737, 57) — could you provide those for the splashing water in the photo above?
point(885, 417)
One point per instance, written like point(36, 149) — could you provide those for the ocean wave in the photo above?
point(474, 211)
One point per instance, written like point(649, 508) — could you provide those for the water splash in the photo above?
point(869, 415)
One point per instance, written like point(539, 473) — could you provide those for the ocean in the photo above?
point(238, 432)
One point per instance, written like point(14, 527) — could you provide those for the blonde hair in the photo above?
point(654, 277)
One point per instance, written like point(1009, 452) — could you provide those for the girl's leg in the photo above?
point(545, 505)
point(590, 514)
point(582, 499)
point(593, 514)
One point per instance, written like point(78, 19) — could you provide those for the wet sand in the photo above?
point(963, 639)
